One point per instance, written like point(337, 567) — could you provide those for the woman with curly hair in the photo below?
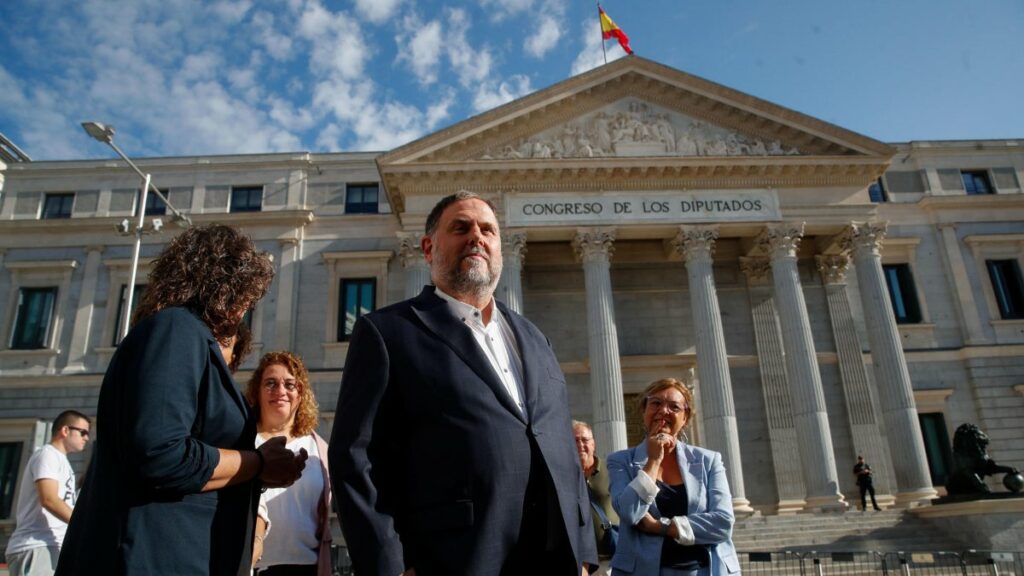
point(300, 543)
point(174, 482)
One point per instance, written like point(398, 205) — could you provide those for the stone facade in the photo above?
point(724, 241)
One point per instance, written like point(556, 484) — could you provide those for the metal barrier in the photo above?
point(858, 563)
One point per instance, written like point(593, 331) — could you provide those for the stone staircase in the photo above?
point(886, 531)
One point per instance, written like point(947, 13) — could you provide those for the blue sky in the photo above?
point(180, 77)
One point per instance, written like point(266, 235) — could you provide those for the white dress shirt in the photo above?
point(496, 340)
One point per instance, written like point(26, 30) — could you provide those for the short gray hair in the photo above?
point(435, 214)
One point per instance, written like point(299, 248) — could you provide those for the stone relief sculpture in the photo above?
point(633, 128)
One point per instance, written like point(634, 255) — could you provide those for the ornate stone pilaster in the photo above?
point(695, 244)
point(287, 295)
point(782, 435)
point(510, 286)
point(83, 314)
point(896, 394)
point(417, 271)
point(594, 247)
point(860, 406)
point(808, 398)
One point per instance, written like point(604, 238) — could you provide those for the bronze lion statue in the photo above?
point(971, 462)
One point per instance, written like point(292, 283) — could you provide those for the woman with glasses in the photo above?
point(300, 542)
point(673, 499)
point(174, 480)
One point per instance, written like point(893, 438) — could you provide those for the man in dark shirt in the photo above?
point(863, 473)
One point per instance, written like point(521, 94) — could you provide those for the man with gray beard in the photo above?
point(452, 449)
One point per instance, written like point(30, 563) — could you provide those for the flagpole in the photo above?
point(600, 27)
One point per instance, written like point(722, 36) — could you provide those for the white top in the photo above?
point(36, 527)
point(496, 340)
point(294, 512)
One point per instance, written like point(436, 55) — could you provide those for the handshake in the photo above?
point(280, 467)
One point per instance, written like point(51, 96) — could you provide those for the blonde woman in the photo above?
point(672, 498)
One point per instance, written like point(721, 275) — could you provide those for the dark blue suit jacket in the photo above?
point(430, 457)
point(167, 403)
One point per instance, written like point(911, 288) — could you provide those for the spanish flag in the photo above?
point(609, 28)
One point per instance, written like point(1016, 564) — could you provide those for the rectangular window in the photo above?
point(58, 205)
point(1008, 287)
point(10, 457)
point(136, 298)
point(361, 198)
point(356, 298)
point(976, 182)
point(154, 205)
point(902, 293)
point(877, 192)
point(33, 318)
point(936, 446)
point(246, 198)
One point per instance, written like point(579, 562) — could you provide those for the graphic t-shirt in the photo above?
point(36, 527)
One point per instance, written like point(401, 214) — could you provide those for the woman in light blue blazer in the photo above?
point(673, 499)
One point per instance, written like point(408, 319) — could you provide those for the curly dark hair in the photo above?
point(214, 270)
point(308, 414)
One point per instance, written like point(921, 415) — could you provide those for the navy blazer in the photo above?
point(430, 456)
point(709, 510)
point(166, 404)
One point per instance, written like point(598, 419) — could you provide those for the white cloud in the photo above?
point(337, 40)
point(501, 9)
point(472, 66)
point(231, 12)
point(544, 38)
point(591, 56)
point(419, 45)
point(377, 11)
point(278, 45)
point(493, 94)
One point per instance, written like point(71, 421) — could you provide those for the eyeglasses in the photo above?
point(658, 403)
point(585, 439)
point(289, 385)
point(82, 431)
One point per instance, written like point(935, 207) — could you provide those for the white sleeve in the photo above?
point(644, 486)
point(263, 512)
point(47, 466)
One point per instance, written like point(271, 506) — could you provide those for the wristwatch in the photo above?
point(666, 523)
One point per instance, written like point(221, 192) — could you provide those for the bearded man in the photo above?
point(452, 450)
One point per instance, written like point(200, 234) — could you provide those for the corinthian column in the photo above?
point(695, 245)
point(860, 406)
point(808, 398)
point(896, 394)
point(510, 287)
point(417, 271)
point(782, 435)
point(593, 248)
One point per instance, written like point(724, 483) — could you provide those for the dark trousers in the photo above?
point(289, 570)
point(543, 546)
point(866, 487)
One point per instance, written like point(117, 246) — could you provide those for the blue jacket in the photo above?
point(709, 510)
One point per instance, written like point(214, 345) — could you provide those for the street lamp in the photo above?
point(105, 134)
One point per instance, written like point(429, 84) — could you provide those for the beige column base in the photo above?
point(790, 507)
point(834, 503)
point(915, 498)
point(741, 507)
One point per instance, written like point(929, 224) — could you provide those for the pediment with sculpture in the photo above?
point(634, 128)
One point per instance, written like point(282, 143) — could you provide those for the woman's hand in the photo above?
point(281, 466)
point(657, 446)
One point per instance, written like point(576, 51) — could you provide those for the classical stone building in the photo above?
point(826, 294)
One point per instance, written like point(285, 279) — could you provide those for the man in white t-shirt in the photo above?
point(46, 496)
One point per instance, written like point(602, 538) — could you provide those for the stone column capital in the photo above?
point(864, 238)
point(695, 242)
point(594, 244)
point(757, 270)
point(409, 250)
point(287, 242)
point(833, 268)
point(781, 240)
point(513, 247)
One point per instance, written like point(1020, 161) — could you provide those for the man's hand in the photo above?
point(584, 571)
point(409, 572)
point(281, 466)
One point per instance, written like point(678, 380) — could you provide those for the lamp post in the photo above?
point(105, 133)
